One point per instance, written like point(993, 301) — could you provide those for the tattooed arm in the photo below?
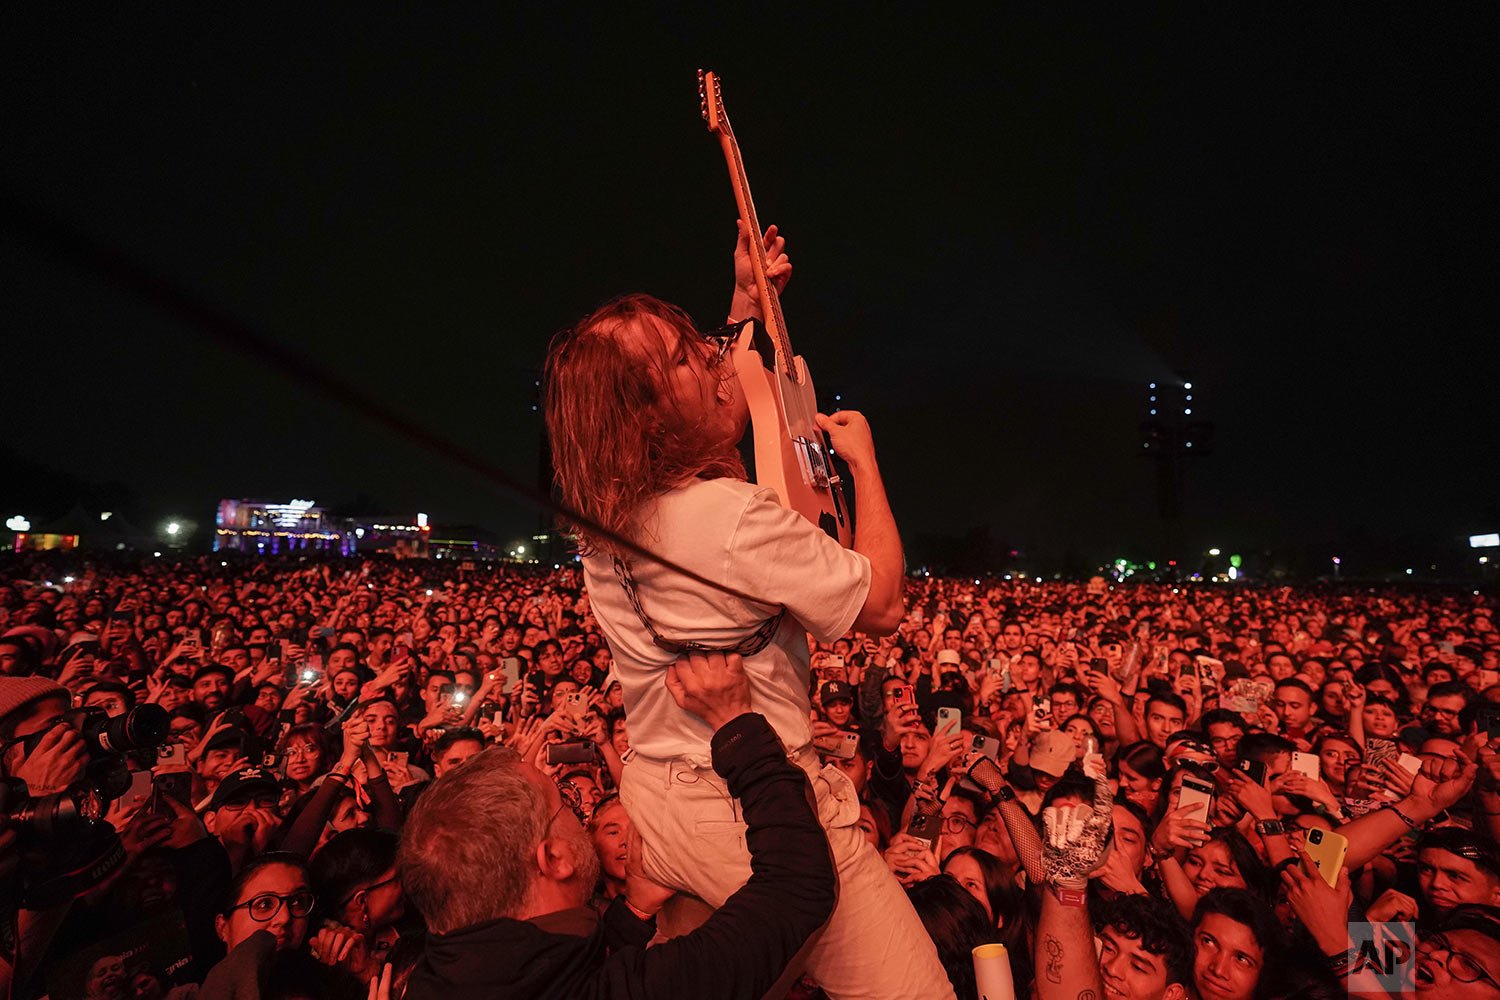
point(1067, 967)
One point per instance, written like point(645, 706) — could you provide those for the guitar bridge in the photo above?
point(815, 468)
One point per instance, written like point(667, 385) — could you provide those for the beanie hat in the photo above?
point(18, 692)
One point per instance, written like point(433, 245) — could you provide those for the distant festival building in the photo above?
point(261, 527)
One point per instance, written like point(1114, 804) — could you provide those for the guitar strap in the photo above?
point(748, 646)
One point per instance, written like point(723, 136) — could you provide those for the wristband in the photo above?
point(1270, 827)
point(1413, 824)
point(1069, 896)
point(341, 775)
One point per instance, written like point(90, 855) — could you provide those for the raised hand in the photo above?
point(57, 762)
point(1322, 909)
point(1179, 828)
point(778, 265)
point(911, 859)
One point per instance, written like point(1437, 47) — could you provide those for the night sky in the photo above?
point(1002, 227)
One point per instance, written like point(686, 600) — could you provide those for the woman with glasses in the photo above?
point(271, 894)
point(305, 751)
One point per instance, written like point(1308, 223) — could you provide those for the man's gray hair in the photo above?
point(468, 850)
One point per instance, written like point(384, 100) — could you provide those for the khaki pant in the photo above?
point(873, 947)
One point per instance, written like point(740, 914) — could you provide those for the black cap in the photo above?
point(835, 691)
point(242, 783)
point(214, 668)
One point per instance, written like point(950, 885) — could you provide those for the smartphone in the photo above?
point(458, 698)
point(139, 792)
point(1196, 793)
point(1377, 750)
point(1041, 711)
point(841, 745)
point(1490, 714)
point(175, 785)
point(1254, 769)
point(833, 663)
point(1188, 669)
point(1323, 852)
point(1306, 763)
point(576, 704)
point(171, 757)
point(949, 722)
point(1410, 763)
point(570, 752)
point(510, 671)
point(903, 694)
point(926, 823)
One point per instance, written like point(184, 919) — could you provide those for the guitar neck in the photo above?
point(770, 301)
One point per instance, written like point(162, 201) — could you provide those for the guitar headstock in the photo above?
point(711, 103)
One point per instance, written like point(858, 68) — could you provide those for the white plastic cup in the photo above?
point(992, 973)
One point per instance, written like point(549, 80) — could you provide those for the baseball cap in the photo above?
point(1052, 752)
point(948, 656)
point(835, 691)
point(242, 784)
point(214, 668)
point(1464, 844)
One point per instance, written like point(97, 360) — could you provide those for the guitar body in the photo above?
point(791, 453)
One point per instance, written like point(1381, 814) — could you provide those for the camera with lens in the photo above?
point(106, 776)
point(68, 845)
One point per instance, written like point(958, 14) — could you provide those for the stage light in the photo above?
point(173, 527)
point(1187, 385)
point(1213, 552)
point(1153, 385)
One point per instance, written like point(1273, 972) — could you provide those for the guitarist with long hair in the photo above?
point(645, 416)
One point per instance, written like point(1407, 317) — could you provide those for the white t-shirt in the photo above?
point(734, 533)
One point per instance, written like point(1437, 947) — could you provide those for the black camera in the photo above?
point(144, 727)
point(46, 818)
point(1315, 835)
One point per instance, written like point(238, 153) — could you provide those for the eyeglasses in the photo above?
point(1460, 966)
point(957, 823)
point(263, 908)
point(366, 890)
point(301, 750)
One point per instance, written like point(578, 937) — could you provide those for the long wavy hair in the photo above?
point(614, 444)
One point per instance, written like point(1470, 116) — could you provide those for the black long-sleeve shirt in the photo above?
point(738, 953)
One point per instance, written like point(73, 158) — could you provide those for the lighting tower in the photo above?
point(1173, 434)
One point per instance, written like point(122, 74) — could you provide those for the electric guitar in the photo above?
point(792, 455)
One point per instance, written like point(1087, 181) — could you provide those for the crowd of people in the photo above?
point(330, 778)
